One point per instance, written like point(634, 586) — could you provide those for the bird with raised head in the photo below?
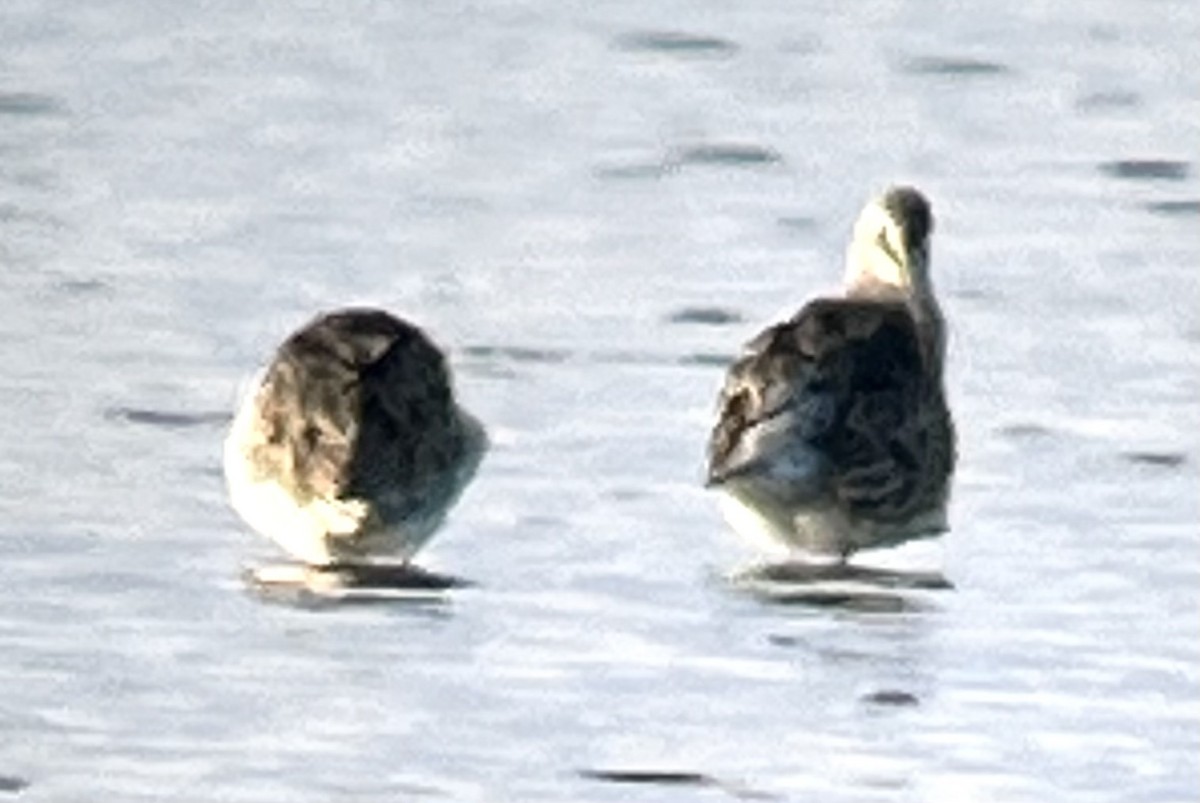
point(833, 433)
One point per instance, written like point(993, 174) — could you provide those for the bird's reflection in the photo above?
point(340, 583)
point(841, 586)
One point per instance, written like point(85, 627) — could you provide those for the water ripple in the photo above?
point(1024, 430)
point(673, 778)
point(167, 419)
point(891, 698)
point(953, 66)
point(501, 355)
point(704, 154)
point(83, 286)
point(1174, 208)
point(706, 316)
point(520, 354)
point(325, 587)
point(726, 154)
point(676, 43)
point(1157, 459)
point(29, 104)
point(11, 783)
point(1146, 169)
point(799, 223)
point(707, 359)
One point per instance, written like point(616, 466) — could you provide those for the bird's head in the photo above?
point(889, 251)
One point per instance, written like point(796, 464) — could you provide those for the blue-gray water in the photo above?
point(549, 188)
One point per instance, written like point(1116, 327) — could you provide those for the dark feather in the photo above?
point(355, 403)
point(852, 376)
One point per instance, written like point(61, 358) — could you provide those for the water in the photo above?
point(592, 205)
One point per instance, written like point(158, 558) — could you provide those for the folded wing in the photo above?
point(838, 404)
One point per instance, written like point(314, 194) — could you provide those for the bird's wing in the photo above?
point(348, 400)
point(838, 397)
point(408, 438)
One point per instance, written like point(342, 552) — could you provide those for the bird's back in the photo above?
point(845, 396)
point(355, 422)
point(347, 390)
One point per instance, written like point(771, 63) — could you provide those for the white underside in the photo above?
point(820, 532)
point(309, 531)
point(754, 528)
point(270, 509)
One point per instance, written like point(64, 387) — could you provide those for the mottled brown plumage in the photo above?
point(833, 433)
point(850, 373)
point(355, 423)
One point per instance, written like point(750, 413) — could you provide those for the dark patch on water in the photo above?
point(655, 777)
point(676, 43)
point(1111, 99)
point(405, 576)
point(799, 223)
point(824, 586)
point(13, 784)
point(964, 67)
point(674, 778)
point(82, 286)
point(1174, 208)
point(893, 698)
point(522, 354)
point(781, 640)
point(850, 602)
point(726, 154)
point(645, 358)
point(706, 359)
point(1146, 169)
point(1157, 459)
point(430, 604)
point(1024, 430)
point(541, 521)
point(713, 154)
point(705, 316)
point(167, 419)
point(29, 103)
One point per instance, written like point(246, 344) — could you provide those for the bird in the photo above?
point(833, 432)
point(349, 448)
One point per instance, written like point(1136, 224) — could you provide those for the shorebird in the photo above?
point(833, 433)
point(350, 449)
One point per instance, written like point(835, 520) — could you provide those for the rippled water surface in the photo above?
point(592, 205)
